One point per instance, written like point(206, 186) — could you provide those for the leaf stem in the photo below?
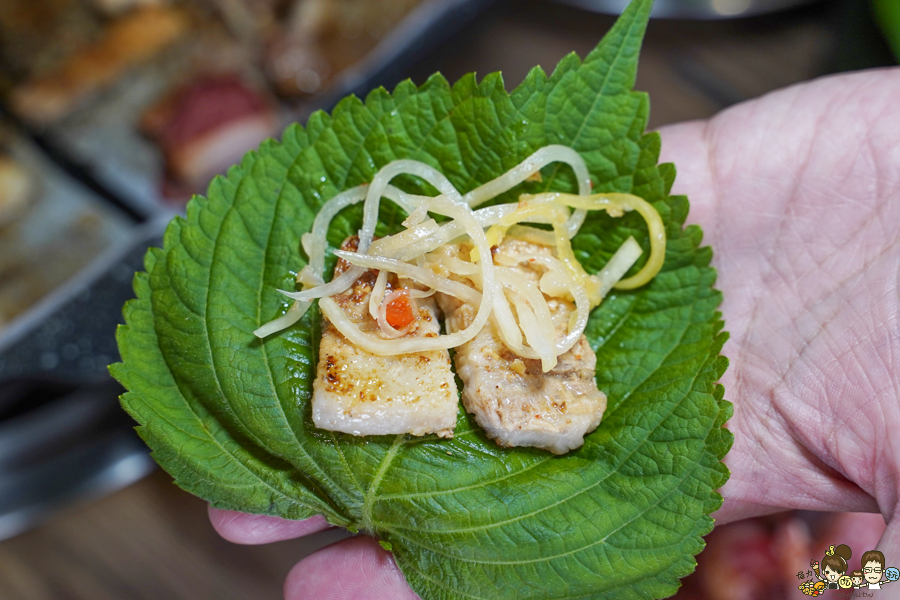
point(369, 497)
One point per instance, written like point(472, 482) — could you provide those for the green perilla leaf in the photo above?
point(228, 415)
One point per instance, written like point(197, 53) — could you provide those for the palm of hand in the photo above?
point(799, 195)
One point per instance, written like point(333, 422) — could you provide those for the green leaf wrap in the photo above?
point(228, 415)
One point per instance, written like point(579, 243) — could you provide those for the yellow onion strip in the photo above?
point(554, 267)
point(615, 205)
point(534, 319)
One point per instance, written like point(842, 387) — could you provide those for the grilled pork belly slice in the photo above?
point(512, 399)
point(364, 394)
point(206, 125)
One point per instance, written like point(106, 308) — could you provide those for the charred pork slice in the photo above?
point(512, 399)
point(361, 393)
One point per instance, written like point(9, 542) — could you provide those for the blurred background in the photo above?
point(113, 112)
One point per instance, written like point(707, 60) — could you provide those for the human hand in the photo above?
point(798, 193)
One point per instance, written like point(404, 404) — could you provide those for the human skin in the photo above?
point(798, 193)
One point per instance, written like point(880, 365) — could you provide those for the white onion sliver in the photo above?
point(379, 186)
point(492, 215)
point(530, 293)
point(454, 265)
point(377, 294)
point(538, 160)
point(408, 202)
point(329, 210)
point(337, 285)
point(537, 335)
point(439, 238)
point(308, 279)
point(541, 332)
point(394, 244)
point(294, 314)
point(428, 173)
point(306, 242)
point(554, 285)
point(314, 244)
point(419, 274)
point(415, 217)
point(507, 328)
point(627, 254)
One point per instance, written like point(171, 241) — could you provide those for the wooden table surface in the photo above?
point(153, 541)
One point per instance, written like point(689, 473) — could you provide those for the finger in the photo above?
point(354, 569)
point(243, 528)
point(889, 544)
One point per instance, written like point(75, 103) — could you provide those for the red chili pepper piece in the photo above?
point(399, 311)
